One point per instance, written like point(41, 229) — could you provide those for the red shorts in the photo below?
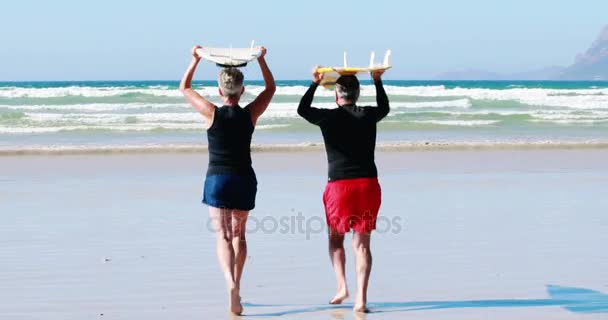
point(352, 203)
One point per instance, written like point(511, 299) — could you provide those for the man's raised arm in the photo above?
point(381, 97)
point(305, 110)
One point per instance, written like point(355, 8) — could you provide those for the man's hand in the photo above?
point(377, 75)
point(316, 75)
point(262, 52)
point(195, 55)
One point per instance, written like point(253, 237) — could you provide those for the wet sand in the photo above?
point(501, 234)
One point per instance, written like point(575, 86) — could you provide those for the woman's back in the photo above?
point(229, 140)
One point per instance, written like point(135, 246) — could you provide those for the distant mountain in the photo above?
point(473, 74)
point(537, 74)
point(591, 65)
point(468, 74)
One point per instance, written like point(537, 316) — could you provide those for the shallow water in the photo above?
point(118, 113)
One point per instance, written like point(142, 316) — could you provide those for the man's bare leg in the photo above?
point(338, 260)
point(239, 243)
point(222, 222)
point(363, 254)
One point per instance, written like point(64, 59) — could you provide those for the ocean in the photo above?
point(153, 114)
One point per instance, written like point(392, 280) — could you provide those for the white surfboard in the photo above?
point(230, 57)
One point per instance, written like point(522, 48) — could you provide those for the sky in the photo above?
point(151, 40)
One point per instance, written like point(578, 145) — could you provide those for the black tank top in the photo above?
point(229, 141)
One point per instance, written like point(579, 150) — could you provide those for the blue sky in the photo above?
point(82, 40)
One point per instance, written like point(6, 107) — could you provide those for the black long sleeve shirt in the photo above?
point(349, 133)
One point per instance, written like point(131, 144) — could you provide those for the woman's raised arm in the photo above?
point(202, 105)
point(259, 105)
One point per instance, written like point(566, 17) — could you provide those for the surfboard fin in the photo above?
point(371, 59)
point(387, 57)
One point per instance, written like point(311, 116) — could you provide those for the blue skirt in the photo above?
point(230, 191)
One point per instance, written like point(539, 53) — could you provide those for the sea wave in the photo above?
point(137, 127)
point(571, 121)
point(566, 98)
point(138, 118)
point(95, 107)
point(105, 118)
point(425, 109)
point(460, 123)
point(19, 92)
point(274, 107)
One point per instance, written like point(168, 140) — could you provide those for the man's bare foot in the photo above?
point(339, 297)
point(361, 308)
point(235, 302)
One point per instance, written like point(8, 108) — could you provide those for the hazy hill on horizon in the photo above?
point(590, 65)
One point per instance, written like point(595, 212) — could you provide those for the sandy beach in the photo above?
point(466, 234)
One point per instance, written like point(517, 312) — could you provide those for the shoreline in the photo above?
point(301, 147)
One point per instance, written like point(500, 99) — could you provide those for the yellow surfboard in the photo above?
point(331, 74)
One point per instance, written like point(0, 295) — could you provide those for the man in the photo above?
point(352, 195)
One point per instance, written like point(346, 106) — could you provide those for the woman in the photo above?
point(230, 185)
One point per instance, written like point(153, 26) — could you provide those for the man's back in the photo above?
point(350, 140)
point(349, 133)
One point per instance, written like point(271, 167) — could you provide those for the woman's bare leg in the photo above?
point(222, 222)
point(239, 243)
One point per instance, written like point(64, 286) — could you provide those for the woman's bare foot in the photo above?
point(340, 296)
point(235, 302)
point(360, 307)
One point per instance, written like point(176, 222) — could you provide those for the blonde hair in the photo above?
point(231, 82)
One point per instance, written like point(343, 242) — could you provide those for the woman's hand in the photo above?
point(316, 75)
point(195, 55)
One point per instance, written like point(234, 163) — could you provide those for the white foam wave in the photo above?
point(159, 91)
point(94, 107)
point(133, 127)
point(366, 90)
point(297, 91)
point(570, 116)
point(460, 123)
point(271, 126)
point(108, 118)
point(139, 127)
point(570, 121)
point(459, 103)
point(565, 98)
point(578, 99)
point(41, 119)
point(16, 92)
point(275, 110)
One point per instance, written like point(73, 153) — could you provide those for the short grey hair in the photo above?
point(231, 82)
point(348, 88)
